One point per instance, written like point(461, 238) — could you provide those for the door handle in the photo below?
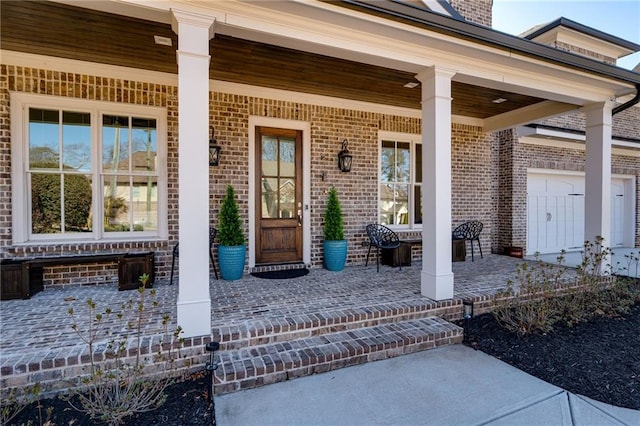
point(299, 217)
point(548, 217)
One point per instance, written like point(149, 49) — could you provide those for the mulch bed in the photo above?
point(599, 359)
point(187, 404)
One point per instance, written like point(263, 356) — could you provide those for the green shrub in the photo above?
point(230, 231)
point(333, 221)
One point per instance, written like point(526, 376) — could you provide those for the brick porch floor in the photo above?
point(38, 344)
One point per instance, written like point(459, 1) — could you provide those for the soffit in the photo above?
point(76, 33)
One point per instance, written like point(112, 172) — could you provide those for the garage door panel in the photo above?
point(556, 212)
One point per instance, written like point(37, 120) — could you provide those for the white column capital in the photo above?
point(435, 72)
point(194, 31)
point(598, 114)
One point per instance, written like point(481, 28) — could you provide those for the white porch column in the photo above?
point(194, 301)
point(436, 277)
point(597, 202)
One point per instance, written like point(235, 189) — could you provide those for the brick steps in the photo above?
point(278, 327)
point(252, 366)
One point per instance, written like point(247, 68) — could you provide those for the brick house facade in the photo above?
point(488, 169)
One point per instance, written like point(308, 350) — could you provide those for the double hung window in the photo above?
point(400, 204)
point(87, 170)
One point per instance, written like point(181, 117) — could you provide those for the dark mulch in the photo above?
point(187, 404)
point(599, 359)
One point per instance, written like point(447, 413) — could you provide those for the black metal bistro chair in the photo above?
point(381, 237)
point(213, 232)
point(469, 231)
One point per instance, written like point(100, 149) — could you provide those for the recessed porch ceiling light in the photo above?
point(164, 41)
point(411, 85)
point(499, 100)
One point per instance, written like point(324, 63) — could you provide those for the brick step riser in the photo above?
point(245, 338)
point(261, 365)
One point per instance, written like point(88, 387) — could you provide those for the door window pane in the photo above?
point(287, 157)
point(269, 156)
point(269, 198)
point(287, 198)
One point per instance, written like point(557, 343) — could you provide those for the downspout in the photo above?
point(628, 104)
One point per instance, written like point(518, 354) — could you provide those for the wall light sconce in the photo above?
point(344, 157)
point(214, 149)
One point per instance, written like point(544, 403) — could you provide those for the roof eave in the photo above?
point(480, 34)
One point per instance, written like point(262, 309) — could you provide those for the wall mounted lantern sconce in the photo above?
point(214, 149)
point(344, 157)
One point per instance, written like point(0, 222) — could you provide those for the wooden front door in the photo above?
point(279, 195)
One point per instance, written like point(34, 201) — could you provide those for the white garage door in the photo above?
point(555, 212)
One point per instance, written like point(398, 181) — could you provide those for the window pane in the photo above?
point(387, 162)
point(117, 204)
point(401, 205)
point(418, 163)
point(287, 198)
point(269, 156)
point(145, 149)
point(46, 196)
point(417, 204)
point(403, 162)
point(44, 147)
point(145, 203)
point(76, 141)
point(386, 204)
point(269, 198)
point(115, 143)
point(77, 203)
point(287, 157)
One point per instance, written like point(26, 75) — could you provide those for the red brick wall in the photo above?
point(478, 11)
point(47, 82)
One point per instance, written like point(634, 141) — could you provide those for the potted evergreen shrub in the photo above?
point(334, 246)
point(232, 248)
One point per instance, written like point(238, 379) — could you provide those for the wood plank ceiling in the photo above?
point(70, 32)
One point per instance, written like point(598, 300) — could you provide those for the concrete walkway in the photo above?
point(453, 385)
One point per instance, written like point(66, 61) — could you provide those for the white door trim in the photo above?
point(305, 127)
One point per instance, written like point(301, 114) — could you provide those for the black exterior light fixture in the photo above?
point(467, 315)
point(344, 157)
point(211, 366)
point(214, 149)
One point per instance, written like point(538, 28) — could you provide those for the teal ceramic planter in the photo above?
point(335, 254)
point(231, 260)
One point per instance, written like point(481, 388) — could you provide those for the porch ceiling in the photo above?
point(67, 31)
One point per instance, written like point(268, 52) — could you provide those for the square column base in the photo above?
point(195, 317)
point(436, 287)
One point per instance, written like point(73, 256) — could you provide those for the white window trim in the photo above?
point(20, 102)
point(413, 139)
